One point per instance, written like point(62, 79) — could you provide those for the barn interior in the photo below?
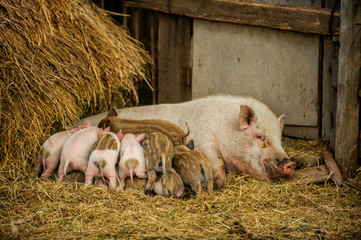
point(65, 60)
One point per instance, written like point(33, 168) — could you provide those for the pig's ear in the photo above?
point(107, 129)
point(140, 137)
point(246, 117)
point(101, 132)
point(68, 128)
point(112, 113)
point(120, 135)
point(281, 121)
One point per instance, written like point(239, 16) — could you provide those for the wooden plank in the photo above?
point(332, 167)
point(174, 41)
point(278, 16)
point(311, 175)
point(354, 184)
point(348, 106)
point(305, 132)
point(329, 91)
point(271, 65)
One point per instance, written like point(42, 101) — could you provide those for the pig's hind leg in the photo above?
point(151, 179)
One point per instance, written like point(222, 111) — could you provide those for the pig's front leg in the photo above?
point(217, 163)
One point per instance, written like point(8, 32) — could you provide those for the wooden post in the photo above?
point(348, 104)
point(174, 49)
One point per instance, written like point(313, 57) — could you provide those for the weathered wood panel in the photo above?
point(174, 56)
point(329, 91)
point(279, 68)
point(348, 106)
point(278, 16)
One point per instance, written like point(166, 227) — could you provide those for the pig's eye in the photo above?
point(261, 137)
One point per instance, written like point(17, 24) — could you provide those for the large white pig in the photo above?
point(239, 134)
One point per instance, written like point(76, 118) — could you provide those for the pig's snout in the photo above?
point(289, 168)
point(279, 167)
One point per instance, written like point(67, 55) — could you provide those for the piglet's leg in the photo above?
point(39, 164)
point(151, 179)
point(210, 185)
point(196, 186)
point(61, 173)
point(88, 179)
point(112, 182)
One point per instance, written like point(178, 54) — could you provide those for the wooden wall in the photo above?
point(166, 29)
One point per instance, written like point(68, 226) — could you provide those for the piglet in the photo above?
point(49, 155)
point(169, 184)
point(76, 151)
point(132, 159)
point(100, 183)
point(193, 167)
point(75, 176)
point(138, 183)
point(158, 150)
point(104, 157)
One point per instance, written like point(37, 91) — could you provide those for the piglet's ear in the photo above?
point(112, 113)
point(87, 124)
point(281, 121)
point(246, 117)
point(120, 135)
point(140, 137)
point(101, 132)
point(107, 129)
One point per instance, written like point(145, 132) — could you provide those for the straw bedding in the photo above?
point(33, 208)
point(41, 92)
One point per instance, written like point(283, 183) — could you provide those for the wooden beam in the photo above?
point(332, 167)
point(349, 75)
point(277, 16)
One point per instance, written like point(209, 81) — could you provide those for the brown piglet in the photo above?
point(158, 151)
point(169, 184)
point(147, 126)
point(194, 168)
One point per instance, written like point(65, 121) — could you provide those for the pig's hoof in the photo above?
point(219, 181)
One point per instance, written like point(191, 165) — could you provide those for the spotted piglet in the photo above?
point(193, 167)
point(132, 160)
point(49, 155)
point(169, 184)
point(104, 157)
point(76, 151)
point(158, 151)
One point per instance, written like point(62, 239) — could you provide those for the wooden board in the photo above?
point(277, 67)
point(174, 57)
point(311, 175)
point(329, 91)
point(348, 107)
point(278, 16)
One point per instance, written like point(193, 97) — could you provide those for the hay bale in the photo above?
point(60, 60)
